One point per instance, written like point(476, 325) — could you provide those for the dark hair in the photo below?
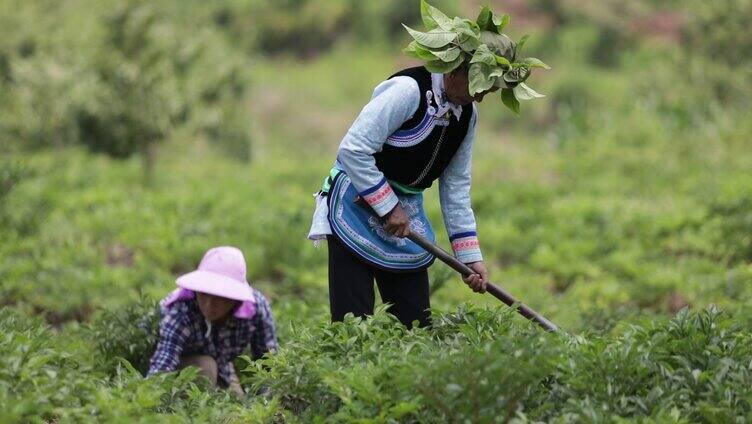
point(464, 67)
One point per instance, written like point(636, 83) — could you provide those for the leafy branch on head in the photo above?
point(492, 57)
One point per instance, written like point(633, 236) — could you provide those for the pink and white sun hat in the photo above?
point(222, 272)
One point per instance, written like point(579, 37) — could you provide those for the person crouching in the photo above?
point(213, 317)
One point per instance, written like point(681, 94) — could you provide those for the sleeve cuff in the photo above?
point(466, 247)
point(380, 197)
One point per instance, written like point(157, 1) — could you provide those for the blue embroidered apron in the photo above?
point(362, 231)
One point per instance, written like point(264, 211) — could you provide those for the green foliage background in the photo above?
point(610, 205)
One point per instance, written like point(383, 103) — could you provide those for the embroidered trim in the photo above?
point(413, 136)
point(379, 195)
point(462, 234)
point(467, 243)
point(372, 189)
point(466, 246)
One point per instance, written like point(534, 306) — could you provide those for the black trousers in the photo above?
point(351, 288)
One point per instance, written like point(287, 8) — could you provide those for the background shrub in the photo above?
point(135, 75)
point(130, 333)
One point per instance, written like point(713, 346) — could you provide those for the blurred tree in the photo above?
point(305, 28)
point(719, 46)
point(117, 76)
point(214, 80)
point(11, 172)
point(138, 101)
point(720, 30)
point(613, 20)
point(39, 82)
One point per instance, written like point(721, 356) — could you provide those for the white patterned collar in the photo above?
point(439, 94)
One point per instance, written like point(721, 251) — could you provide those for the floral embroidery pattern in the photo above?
point(412, 209)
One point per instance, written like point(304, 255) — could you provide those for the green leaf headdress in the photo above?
point(491, 55)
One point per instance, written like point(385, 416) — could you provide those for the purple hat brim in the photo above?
point(217, 284)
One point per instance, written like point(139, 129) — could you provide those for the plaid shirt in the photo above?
point(184, 331)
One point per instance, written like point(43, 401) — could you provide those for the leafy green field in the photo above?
point(620, 206)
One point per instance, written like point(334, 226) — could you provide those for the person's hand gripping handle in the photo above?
point(396, 222)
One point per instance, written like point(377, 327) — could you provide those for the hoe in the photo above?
point(495, 290)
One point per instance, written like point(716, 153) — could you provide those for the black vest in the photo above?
point(418, 151)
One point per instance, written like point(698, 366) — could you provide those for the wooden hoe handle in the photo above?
point(495, 290)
